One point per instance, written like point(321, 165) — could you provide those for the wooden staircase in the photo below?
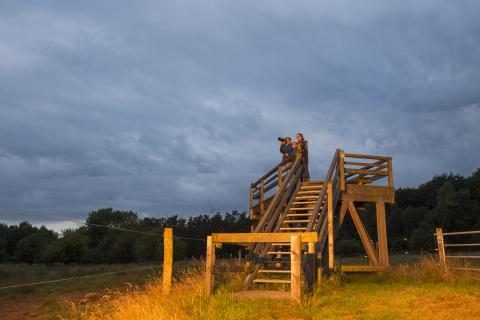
point(296, 206)
point(295, 223)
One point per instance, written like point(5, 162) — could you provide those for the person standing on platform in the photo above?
point(286, 148)
point(302, 152)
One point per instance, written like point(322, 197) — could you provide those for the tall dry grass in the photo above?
point(390, 295)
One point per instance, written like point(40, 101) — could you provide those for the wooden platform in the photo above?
point(262, 294)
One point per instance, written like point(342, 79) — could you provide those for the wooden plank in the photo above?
point(367, 172)
point(341, 166)
point(366, 156)
point(271, 281)
point(265, 237)
point(262, 194)
point(390, 174)
point(296, 267)
point(167, 260)
point(361, 268)
point(353, 163)
point(382, 233)
point(210, 262)
point(330, 226)
point(441, 249)
point(280, 176)
point(250, 212)
point(367, 243)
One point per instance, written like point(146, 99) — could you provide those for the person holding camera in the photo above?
point(302, 152)
point(286, 148)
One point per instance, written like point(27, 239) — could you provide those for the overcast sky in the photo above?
point(164, 106)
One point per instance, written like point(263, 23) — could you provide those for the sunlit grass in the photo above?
point(418, 291)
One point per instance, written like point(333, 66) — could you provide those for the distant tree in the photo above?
point(29, 247)
point(72, 246)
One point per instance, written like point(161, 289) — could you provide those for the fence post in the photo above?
point(209, 263)
point(331, 248)
point(441, 249)
point(296, 268)
point(310, 267)
point(167, 260)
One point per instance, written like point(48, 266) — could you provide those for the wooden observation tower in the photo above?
point(295, 223)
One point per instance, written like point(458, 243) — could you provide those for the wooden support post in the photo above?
point(319, 273)
point(382, 234)
point(367, 243)
point(390, 174)
point(167, 260)
point(330, 226)
point(310, 267)
point(341, 165)
point(261, 197)
point(296, 268)
point(210, 262)
point(441, 249)
point(251, 203)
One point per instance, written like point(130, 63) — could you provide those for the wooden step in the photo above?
point(312, 187)
point(300, 209)
point(279, 244)
point(299, 214)
point(271, 281)
point(278, 252)
point(275, 261)
point(273, 271)
point(306, 197)
point(294, 221)
point(293, 228)
point(304, 202)
point(312, 183)
point(309, 192)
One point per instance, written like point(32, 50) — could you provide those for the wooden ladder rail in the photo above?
point(274, 215)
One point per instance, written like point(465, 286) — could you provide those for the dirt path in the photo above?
point(38, 306)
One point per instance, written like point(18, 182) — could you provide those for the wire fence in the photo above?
point(63, 219)
point(76, 278)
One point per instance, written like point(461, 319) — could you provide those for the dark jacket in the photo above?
point(286, 150)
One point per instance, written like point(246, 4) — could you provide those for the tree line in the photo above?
point(94, 244)
point(448, 201)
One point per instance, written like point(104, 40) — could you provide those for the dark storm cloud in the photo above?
point(163, 107)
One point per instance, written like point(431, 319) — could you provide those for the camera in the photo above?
point(281, 139)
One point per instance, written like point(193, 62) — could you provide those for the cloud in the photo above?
point(163, 107)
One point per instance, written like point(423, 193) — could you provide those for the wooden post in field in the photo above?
point(330, 226)
point(310, 270)
point(209, 263)
point(441, 249)
point(296, 268)
point(167, 260)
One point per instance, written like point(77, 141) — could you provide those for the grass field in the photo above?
point(416, 290)
point(46, 301)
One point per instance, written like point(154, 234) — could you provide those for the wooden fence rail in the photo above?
point(444, 257)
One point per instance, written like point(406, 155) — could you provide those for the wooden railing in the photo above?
point(363, 169)
point(465, 257)
point(345, 168)
point(264, 189)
